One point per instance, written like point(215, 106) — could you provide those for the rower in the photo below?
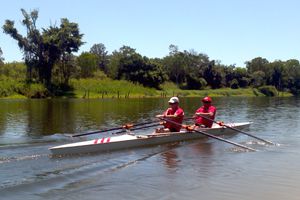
point(173, 113)
point(207, 110)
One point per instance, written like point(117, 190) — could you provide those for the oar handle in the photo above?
point(138, 128)
point(126, 126)
point(94, 132)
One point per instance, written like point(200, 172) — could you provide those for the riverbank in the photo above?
point(248, 92)
point(98, 89)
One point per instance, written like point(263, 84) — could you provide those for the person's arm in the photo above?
point(166, 116)
point(209, 114)
point(162, 115)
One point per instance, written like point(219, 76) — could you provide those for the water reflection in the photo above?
point(203, 148)
point(50, 116)
point(170, 158)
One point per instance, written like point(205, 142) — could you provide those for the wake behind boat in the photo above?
point(131, 141)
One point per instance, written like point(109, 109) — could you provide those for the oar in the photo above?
point(126, 126)
point(238, 130)
point(138, 128)
point(143, 127)
point(209, 135)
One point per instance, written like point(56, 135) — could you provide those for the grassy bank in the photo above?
point(92, 88)
point(172, 90)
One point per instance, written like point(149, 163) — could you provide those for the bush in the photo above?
point(234, 84)
point(33, 90)
point(7, 86)
point(269, 91)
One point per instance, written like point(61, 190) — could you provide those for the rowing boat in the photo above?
point(131, 140)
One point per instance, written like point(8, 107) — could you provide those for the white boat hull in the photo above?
point(132, 141)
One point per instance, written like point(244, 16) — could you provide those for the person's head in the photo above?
point(206, 101)
point(174, 101)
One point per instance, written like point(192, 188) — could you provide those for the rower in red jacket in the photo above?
point(206, 110)
point(173, 113)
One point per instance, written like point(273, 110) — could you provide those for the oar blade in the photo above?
point(241, 131)
point(225, 140)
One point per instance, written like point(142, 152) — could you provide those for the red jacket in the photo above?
point(201, 120)
point(180, 114)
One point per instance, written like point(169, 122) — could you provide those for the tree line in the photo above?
point(50, 60)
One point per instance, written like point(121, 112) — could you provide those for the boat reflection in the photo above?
point(202, 150)
point(171, 159)
point(170, 156)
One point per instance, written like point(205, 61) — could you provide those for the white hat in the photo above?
point(174, 100)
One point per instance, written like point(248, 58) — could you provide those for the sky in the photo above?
point(230, 31)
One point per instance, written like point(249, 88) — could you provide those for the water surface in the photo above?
point(201, 169)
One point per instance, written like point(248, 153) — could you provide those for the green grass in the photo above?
point(107, 88)
point(92, 88)
point(171, 89)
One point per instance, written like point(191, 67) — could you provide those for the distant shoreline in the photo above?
point(79, 94)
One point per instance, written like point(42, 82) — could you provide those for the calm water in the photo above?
point(202, 169)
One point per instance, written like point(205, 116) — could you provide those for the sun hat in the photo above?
point(174, 100)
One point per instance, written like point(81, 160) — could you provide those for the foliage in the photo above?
point(10, 86)
point(14, 70)
point(194, 82)
point(269, 91)
point(258, 78)
point(109, 88)
point(43, 49)
point(102, 55)
point(34, 90)
point(64, 69)
point(87, 63)
point(1, 58)
point(174, 67)
point(7, 86)
point(49, 60)
point(128, 65)
point(257, 64)
point(234, 84)
point(99, 75)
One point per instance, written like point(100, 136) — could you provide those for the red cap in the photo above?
point(206, 99)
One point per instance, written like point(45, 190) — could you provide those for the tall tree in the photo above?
point(87, 63)
point(175, 67)
point(100, 51)
point(257, 64)
point(43, 49)
point(129, 65)
point(31, 44)
point(277, 74)
point(114, 65)
point(194, 66)
point(60, 42)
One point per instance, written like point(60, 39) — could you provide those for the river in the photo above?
point(199, 169)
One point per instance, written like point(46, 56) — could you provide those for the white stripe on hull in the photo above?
point(131, 141)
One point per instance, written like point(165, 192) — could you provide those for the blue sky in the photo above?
point(232, 31)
